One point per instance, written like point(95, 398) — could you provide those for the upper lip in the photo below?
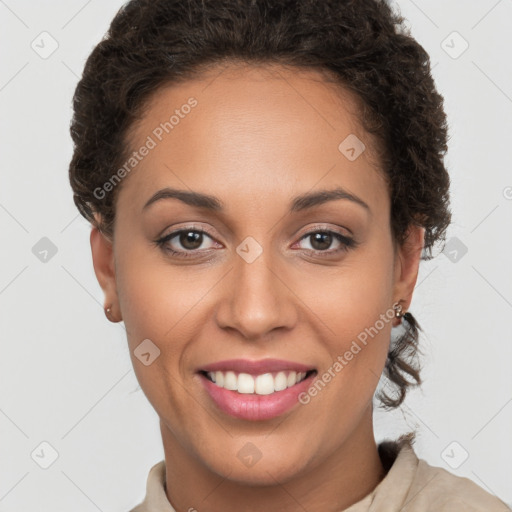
point(255, 367)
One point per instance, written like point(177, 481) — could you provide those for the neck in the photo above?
point(337, 482)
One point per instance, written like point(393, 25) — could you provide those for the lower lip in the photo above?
point(255, 407)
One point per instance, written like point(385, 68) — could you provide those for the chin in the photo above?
point(267, 471)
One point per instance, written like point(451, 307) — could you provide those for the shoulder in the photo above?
point(436, 489)
point(412, 484)
point(156, 498)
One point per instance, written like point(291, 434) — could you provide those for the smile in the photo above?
point(263, 384)
point(255, 390)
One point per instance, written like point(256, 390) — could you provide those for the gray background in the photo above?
point(66, 375)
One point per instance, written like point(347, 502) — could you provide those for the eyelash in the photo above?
point(346, 242)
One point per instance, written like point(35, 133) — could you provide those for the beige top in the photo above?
point(410, 485)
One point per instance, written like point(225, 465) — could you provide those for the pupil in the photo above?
point(322, 237)
point(191, 240)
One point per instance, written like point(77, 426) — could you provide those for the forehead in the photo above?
point(253, 130)
point(266, 97)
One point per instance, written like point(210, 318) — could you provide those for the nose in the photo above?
point(257, 299)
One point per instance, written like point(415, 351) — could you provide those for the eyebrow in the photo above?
point(298, 204)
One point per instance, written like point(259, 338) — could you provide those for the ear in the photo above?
point(104, 268)
point(407, 261)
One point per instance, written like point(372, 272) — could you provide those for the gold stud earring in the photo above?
point(108, 313)
point(399, 313)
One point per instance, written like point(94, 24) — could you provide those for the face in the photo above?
point(256, 272)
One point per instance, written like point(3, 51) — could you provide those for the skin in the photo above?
point(258, 137)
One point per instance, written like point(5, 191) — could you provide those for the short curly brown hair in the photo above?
point(362, 43)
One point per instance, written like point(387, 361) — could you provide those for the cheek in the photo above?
point(358, 346)
point(351, 298)
point(354, 304)
point(155, 297)
point(149, 313)
point(166, 305)
point(156, 307)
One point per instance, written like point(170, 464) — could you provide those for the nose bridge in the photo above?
point(257, 300)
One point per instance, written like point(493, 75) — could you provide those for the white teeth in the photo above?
point(280, 382)
point(245, 383)
point(264, 384)
point(230, 381)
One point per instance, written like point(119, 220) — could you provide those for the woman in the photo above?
point(263, 179)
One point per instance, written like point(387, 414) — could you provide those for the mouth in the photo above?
point(255, 390)
point(259, 384)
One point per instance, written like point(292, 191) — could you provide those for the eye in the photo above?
point(320, 240)
point(191, 240)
